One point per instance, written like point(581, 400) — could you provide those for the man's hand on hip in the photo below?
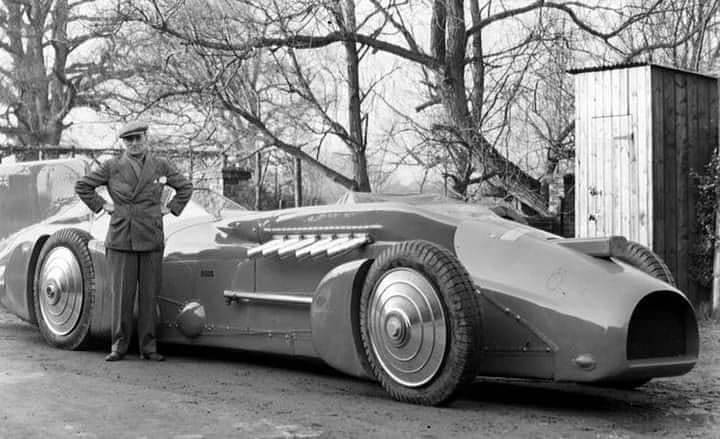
point(109, 208)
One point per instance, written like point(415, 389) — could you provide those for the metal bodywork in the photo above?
point(289, 282)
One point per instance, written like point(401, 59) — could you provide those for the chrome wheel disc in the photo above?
point(407, 328)
point(60, 291)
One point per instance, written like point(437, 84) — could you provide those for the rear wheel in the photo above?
point(647, 261)
point(64, 289)
point(420, 323)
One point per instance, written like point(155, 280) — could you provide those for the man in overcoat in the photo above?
point(135, 238)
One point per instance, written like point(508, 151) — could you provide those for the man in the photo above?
point(135, 238)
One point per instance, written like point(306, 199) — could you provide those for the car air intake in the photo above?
point(662, 325)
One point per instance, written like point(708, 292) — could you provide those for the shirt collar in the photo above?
point(140, 158)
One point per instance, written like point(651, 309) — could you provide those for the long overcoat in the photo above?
point(136, 224)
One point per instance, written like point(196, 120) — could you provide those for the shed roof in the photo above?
point(626, 65)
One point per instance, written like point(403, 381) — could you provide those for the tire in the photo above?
point(64, 289)
point(647, 261)
point(411, 282)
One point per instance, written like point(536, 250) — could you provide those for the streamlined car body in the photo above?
point(422, 294)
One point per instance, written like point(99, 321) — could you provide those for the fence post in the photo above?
point(298, 182)
point(258, 180)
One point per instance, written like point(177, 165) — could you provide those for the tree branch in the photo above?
point(293, 41)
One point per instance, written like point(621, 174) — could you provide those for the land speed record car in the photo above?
point(422, 294)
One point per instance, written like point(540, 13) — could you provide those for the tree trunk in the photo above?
point(553, 159)
point(448, 21)
point(360, 174)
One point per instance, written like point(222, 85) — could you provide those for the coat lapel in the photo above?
point(128, 174)
point(146, 175)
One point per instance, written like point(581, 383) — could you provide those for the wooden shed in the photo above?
point(640, 130)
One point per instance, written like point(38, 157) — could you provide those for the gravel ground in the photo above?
point(45, 392)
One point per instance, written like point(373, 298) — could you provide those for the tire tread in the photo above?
point(77, 241)
point(647, 261)
point(463, 313)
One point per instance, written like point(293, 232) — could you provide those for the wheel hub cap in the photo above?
point(397, 327)
point(407, 327)
point(52, 294)
point(61, 291)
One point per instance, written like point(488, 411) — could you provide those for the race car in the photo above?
point(421, 294)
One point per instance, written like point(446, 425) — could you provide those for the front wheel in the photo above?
point(420, 323)
point(64, 289)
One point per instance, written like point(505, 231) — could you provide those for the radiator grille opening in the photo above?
point(662, 325)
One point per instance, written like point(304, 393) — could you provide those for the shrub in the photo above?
point(708, 184)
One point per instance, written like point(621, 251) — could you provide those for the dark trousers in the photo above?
point(130, 272)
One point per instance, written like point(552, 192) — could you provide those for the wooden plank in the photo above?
point(590, 104)
point(622, 93)
point(581, 146)
point(632, 146)
point(624, 167)
point(602, 200)
point(631, 127)
point(618, 93)
point(594, 161)
point(599, 170)
point(585, 98)
point(597, 133)
point(648, 182)
point(614, 187)
point(657, 214)
point(604, 166)
point(625, 134)
point(700, 154)
point(615, 190)
point(606, 92)
point(669, 156)
point(696, 111)
point(629, 160)
point(681, 174)
point(641, 111)
point(614, 161)
point(579, 143)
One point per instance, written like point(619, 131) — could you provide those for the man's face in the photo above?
point(135, 144)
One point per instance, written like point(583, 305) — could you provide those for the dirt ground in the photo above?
point(46, 392)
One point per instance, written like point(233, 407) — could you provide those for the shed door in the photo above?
point(612, 176)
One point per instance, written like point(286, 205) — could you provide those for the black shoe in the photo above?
point(154, 356)
point(114, 356)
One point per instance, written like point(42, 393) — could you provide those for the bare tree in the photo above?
point(300, 82)
point(48, 72)
point(684, 35)
point(458, 63)
point(546, 102)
